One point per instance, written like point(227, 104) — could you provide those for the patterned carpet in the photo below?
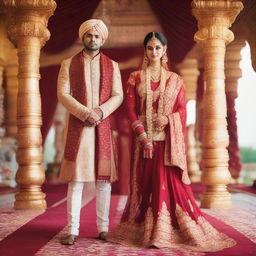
point(38, 232)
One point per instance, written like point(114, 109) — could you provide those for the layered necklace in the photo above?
point(154, 74)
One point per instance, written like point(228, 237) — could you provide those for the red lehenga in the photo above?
point(161, 210)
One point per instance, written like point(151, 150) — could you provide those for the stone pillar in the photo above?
point(214, 18)
point(232, 74)
point(29, 33)
point(11, 94)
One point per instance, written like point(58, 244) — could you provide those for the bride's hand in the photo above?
point(148, 150)
point(160, 121)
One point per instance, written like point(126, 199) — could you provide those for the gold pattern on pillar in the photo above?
point(232, 74)
point(214, 18)
point(29, 33)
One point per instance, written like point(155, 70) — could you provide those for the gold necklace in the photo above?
point(155, 73)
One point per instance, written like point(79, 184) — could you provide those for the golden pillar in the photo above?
point(214, 18)
point(11, 91)
point(28, 31)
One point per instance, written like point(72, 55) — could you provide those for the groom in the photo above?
point(89, 87)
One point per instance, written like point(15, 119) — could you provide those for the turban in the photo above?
point(96, 24)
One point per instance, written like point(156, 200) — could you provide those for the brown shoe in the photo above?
point(103, 235)
point(68, 240)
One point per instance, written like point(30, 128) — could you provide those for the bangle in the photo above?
point(142, 136)
point(149, 145)
point(136, 124)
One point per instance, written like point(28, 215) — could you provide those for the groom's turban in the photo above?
point(96, 24)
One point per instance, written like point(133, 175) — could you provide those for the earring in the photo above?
point(164, 60)
point(145, 62)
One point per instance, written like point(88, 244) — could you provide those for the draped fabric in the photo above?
point(48, 92)
point(233, 148)
point(179, 26)
point(65, 22)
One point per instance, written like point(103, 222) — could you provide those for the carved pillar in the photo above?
point(11, 94)
point(28, 32)
point(232, 74)
point(214, 18)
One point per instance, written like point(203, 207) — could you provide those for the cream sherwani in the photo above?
point(84, 169)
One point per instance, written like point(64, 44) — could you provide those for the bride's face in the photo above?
point(155, 50)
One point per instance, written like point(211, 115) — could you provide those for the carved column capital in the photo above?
point(214, 19)
point(29, 18)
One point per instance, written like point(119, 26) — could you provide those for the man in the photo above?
point(89, 87)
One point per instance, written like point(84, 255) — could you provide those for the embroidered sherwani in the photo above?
point(83, 168)
point(161, 210)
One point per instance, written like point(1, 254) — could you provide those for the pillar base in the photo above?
point(216, 200)
point(30, 200)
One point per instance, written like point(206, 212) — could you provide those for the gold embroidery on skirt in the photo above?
point(194, 235)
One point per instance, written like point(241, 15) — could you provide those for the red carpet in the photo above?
point(36, 233)
point(40, 236)
point(240, 188)
point(54, 193)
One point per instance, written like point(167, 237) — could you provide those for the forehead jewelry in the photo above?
point(153, 39)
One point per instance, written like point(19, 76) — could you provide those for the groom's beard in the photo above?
point(92, 47)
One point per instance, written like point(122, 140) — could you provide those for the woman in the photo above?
point(161, 210)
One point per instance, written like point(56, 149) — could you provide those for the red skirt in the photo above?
point(161, 211)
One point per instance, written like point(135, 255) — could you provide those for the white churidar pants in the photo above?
point(74, 201)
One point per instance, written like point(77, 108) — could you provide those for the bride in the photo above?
point(161, 210)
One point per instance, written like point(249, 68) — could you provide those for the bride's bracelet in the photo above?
point(148, 145)
point(142, 136)
point(136, 124)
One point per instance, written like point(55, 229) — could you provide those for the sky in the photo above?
point(245, 104)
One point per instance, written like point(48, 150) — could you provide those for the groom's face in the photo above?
point(92, 40)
